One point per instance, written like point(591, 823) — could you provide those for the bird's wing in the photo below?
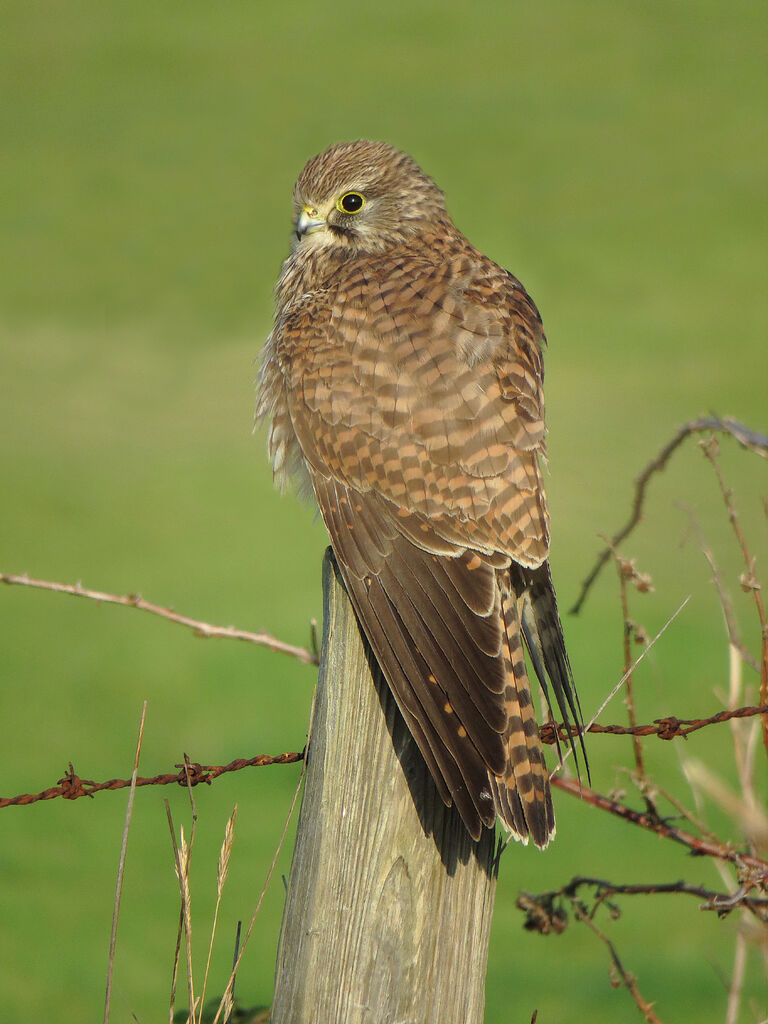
point(415, 393)
point(433, 623)
point(423, 383)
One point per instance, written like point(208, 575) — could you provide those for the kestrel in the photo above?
point(403, 384)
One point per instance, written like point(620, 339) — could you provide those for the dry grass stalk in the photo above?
point(186, 902)
point(221, 878)
point(182, 853)
point(749, 582)
point(227, 997)
point(558, 767)
point(121, 865)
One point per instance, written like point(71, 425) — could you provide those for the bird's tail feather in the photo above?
point(543, 634)
point(522, 795)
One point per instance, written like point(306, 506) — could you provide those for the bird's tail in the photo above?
point(522, 795)
point(529, 609)
point(543, 634)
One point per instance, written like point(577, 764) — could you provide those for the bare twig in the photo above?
point(754, 867)
point(721, 903)
point(725, 603)
point(750, 439)
point(628, 573)
point(743, 747)
point(627, 979)
point(751, 817)
point(202, 629)
point(684, 811)
point(121, 866)
point(749, 581)
point(546, 912)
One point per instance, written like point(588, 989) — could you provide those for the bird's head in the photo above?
point(366, 197)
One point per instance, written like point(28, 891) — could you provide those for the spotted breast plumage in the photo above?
point(402, 383)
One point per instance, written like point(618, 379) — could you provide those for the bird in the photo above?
point(402, 386)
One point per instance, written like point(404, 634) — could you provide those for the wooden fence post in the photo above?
point(389, 904)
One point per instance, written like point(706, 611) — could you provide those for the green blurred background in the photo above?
point(613, 156)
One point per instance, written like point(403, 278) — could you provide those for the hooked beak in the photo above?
point(308, 221)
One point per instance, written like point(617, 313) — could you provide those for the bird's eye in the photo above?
point(350, 202)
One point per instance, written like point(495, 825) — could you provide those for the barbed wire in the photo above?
point(192, 773)
point(72, 787)
point(668, 728)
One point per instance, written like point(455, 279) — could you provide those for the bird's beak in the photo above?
point(308, 221)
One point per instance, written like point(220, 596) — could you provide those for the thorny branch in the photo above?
point(756, 868)
point(721, 903)
point(751, 887)
point(628, 980)
point(629, 574)
point(546, 913)
point(202, 629)
point(750, 439)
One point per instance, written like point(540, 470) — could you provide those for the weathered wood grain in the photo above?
point(389, 904)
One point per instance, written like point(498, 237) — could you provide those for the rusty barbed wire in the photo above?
point(668, 728)
point(72, 787)
point(192, 773)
